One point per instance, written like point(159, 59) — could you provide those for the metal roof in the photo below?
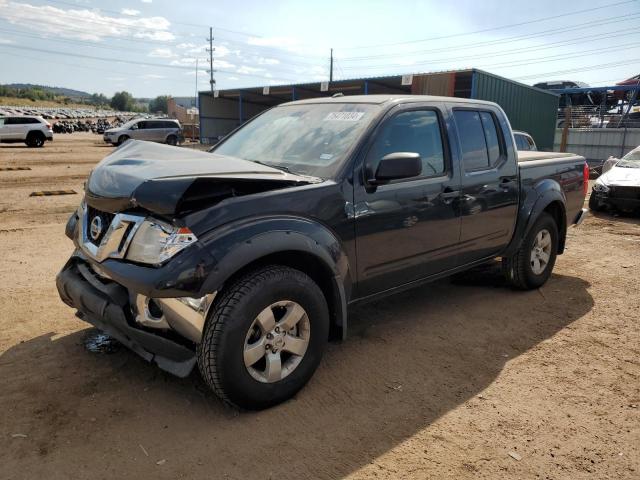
point(380, 99)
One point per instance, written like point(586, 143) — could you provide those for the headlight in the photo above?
point(156, 241)
point(600, 187)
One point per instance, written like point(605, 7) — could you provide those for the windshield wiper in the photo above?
point(279, 167)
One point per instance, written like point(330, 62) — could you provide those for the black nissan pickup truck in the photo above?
point(245, 260)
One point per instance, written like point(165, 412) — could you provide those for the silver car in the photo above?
point(162, 130)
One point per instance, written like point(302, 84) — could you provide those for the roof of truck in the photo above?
point(380, 99)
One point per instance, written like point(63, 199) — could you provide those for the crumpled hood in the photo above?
point(166, 180)
point(623, 176)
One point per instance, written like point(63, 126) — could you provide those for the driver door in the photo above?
point(407, 229)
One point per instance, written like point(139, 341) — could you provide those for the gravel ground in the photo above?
point(456, 379)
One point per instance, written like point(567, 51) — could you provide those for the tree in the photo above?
point(122, 101)
point(159, 104)
point(98, 99)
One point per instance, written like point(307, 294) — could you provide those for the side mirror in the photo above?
point(395, 166)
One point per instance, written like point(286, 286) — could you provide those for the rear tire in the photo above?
point(531, 266)
point(278, 309)
point(35, 139)
point(172, 140)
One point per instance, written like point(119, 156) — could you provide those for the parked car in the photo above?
point(245, 260)
point(619, 185)
point(163, 130)
point(31, 130)
point(524, 141)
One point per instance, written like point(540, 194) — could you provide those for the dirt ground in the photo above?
point(451, 380)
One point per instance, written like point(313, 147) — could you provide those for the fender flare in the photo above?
point(240, 244)
point(537, 200)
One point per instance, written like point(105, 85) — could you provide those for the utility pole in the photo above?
point(331, 66)
point(212, 81)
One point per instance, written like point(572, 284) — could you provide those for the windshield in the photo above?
point(632, 157)
point(312, 139)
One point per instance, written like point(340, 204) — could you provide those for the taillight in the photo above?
point(49, 126)
point(585, 174)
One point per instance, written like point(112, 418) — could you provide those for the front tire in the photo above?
point(121, 140)
point(532, 264)
point(264, 338)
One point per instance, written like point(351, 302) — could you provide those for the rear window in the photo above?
point(480, 139)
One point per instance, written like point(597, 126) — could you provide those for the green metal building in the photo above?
point(529, 109)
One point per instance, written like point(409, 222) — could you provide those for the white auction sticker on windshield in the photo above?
point(344, 116)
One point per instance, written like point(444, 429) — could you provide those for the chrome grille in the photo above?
point(632, 193)
point(116, 232)
point(105, 220)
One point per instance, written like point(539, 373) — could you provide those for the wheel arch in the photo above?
point(546, 197)
point(296, 243)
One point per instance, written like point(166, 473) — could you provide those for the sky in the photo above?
point(151, 47)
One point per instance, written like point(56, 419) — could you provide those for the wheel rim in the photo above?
point(541, 252)
point(276, 341)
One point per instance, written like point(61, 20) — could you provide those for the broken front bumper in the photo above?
point(163, 331)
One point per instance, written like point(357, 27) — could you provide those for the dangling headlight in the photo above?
point(156, 241)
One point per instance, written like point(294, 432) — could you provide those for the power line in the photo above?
point(119, 60)
point(554, 31)
point(502, 27)
point(626, 62)
point(505, 53)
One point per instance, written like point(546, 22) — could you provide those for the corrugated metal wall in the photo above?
point(598, 144)
point(529, 109)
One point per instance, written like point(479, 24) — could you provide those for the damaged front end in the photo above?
point(138, 272)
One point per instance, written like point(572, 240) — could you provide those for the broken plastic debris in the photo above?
point(161, 462)
point(18, 435)
point(515, 456)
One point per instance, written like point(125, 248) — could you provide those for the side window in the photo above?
point(33, 120)
point(520, 143)
point(416, 131)
point(472, 141)
point(480, 139)
point(491, 136)
point(2, 119)
point(531, 144)
point(142, 125)
point(10, 121)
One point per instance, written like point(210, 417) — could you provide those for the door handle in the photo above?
point(506, 183)
point(448, 194)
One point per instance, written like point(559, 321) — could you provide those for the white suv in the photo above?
point(33, 131)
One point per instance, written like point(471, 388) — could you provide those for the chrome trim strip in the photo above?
point(110, 245)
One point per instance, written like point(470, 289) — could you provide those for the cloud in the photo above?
point(162, 53)
point(268, 61)
point(146, 1)
point(5, 41)
point(130, 11)
point(249, 70)
point(83, 24)
point(152, 76)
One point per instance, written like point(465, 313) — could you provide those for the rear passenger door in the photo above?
point(489, 190)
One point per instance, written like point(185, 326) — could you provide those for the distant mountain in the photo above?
point(67, 92)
